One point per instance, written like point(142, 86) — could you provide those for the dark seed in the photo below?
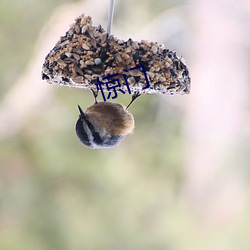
point(65, 79)
point(173, 73)
point(45, 77)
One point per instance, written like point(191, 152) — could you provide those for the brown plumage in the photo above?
point(110, 117)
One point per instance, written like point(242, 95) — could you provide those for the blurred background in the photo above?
point(180, 182)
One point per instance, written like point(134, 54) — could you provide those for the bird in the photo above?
point(104, 124)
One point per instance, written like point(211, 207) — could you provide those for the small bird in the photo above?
point(104, 124)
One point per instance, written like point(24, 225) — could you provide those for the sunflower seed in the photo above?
point(85, 46)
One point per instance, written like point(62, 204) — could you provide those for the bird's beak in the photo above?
point(82, 115)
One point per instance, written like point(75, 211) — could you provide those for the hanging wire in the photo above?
point(110, 15)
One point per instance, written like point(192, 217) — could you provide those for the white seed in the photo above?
point(134, 45)
point(128, 50)
point(120, 41)
point(77, 79)
point(154, 49)
point(88, 62)
point(84, 28)
point(131, 80)
point(68, 54)
point(145, 42)
point(135, 73)
point(125, 56)
point(89, 77)
point(77, 29)
point(77, 57)
point(162, 46)
point(150, 74)
point(85, 46)
point(152, 69)
point(119, 59)
point(103, 37)
point(98, 61)
point(84, 20)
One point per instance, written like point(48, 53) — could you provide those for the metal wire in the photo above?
point(110, 15)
